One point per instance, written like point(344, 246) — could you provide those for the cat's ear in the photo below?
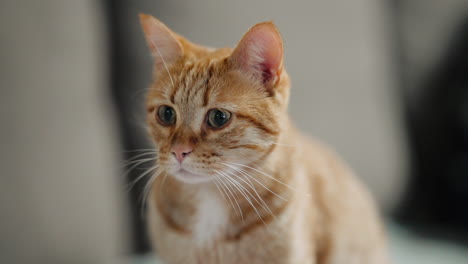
point(260, 54)
point(164, 46)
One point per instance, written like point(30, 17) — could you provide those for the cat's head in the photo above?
point(212, 111)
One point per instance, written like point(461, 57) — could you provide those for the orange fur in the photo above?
point(266, 193)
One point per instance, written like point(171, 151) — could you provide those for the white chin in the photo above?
point(191, 178)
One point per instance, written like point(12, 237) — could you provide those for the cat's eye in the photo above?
point(166, 115)
point(218, 118)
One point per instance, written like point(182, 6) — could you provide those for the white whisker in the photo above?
point(163, 181)
point(239, 187)
point(139, 150)
point(148, 171)
point(260, 200)
point(135, 164)
point(136, 159)
point(267, 175)
point(219, 189)
point(230, 191)
point(147, 189)
point(217, 175)
point(256, 180)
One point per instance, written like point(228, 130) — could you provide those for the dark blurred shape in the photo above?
point(128, 73)
point(437, 127)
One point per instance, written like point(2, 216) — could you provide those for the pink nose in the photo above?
point(181, 151)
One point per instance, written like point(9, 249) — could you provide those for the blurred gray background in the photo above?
point(61, 185)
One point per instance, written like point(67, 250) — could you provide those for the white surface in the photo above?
point(407, 248)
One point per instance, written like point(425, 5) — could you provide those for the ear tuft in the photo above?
point(260, 53)
point(164, 46)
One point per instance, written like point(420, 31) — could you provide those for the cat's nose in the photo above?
point(181, 151)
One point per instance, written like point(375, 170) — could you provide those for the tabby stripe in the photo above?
point(151, 109)
point(258, 124)
point(249, 146)
point(324, 248)
point(206, 98)
point(174, 91)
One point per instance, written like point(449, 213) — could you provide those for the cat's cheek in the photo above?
point(160, 135)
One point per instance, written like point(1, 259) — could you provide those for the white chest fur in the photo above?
point(211, 217)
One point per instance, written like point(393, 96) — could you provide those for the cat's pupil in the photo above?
point(220, 117)
point(167, 114)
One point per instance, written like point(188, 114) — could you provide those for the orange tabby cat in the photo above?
point(239, 183)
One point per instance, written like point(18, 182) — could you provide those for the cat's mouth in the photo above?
point(187, 176)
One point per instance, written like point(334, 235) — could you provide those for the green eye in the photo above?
point(218, 118)
point(166, 115)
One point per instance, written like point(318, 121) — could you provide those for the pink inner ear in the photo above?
point(260, 52)
point(267, 73)
point(165, 48)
